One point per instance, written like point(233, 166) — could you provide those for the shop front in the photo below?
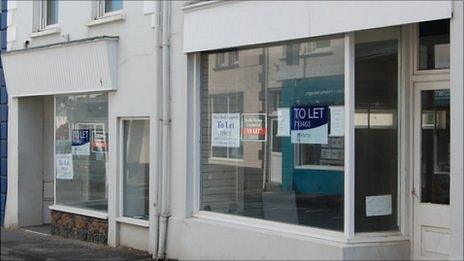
point(61, 136)
point(335, 142)
point(83, 106)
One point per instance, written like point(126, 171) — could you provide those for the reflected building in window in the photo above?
point(274, 178)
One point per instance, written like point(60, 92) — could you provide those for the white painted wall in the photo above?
point(30, 161)
point(133, 236)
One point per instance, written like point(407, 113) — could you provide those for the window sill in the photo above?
point(226, 67)
point(107, 18)
point(133, 221)
point(226, 161)
point(79, 211)
point(377, 237)
point(300, 230)
point(46, 31)
point(320, 167)
point(311, 232)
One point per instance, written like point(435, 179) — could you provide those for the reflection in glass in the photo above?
point(112, 5)
point(376, 133)
point(434, 45)
point(435, 146)
point(81, 145)
point(258, 171)
point(52, 11)
point(136, 149)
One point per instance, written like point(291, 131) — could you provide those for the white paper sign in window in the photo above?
point(64, 166)
point(378, 205)
point(225, 130)
point(337, 121)
point(283, 118)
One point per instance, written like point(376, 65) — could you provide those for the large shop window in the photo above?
point(376, 130)
point(136, 150)
point(272, 133)
point(81, 145)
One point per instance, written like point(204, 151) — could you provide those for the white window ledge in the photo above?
point(79, 211)
point(320, 167)
point(107, 18)
point(46, 31)
point(293, 230)
point(133, 221)
point(282, 228)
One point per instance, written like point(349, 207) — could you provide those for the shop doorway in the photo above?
point(431, 181)
point(36, 168)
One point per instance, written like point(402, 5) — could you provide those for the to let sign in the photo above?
point(254, 127)
point(309, 124)
point(225, 130)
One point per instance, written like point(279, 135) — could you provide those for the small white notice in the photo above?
point(337, 121)
point(64, 166)
point(378, 205)
point(283, 122)
point(225, 130)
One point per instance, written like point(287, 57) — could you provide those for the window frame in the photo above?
point(120, 175)
point(348, 235)
point(40, 17)
point(100, 12)
point(415, 59)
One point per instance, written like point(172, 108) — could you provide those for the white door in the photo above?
point(431, 218)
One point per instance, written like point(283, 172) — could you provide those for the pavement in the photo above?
point(26, 244)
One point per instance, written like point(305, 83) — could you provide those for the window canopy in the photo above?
point(86, 65)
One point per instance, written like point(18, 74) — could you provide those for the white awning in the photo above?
point(219, 25)
point(79, 66)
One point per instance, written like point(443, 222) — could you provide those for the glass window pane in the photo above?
point(136, 161)
point(112, 5)
point(81, 140)
point(434, 45)
point(435, 146)
point(251, 165)
point(52, 11)
point(376, 131)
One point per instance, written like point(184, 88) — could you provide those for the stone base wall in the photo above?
point(79, 227)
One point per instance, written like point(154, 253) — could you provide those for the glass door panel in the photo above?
point(435, 146)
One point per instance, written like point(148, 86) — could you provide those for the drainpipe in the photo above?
point(155, 185)
point(166, 122)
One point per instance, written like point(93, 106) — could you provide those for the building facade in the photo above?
point(240, 130)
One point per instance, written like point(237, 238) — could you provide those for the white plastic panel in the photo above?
point(232, 24)
point(83, 66)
